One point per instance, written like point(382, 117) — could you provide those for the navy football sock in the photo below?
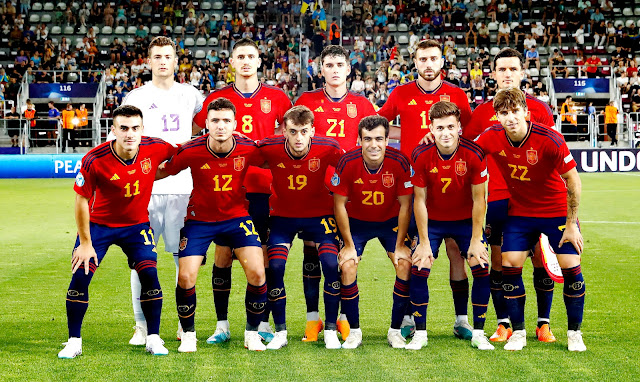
point(78, 299)
point(311, 275)
point(255, 301)
point(328, 254)
point(543, 285)
point(221, 284)
point(186, 305)
point(460, 291)
point(574, 290)
point(150, 294)
point(277, 296)
point(515, 295)
point(419, 296)
point(480, 292)
point(351, 304)
point(497, 295)
point(400, 302)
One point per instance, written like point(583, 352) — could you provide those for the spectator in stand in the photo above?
point(334, 32)
point(380, 22)
point(532, 55)
point(596, 18)
point(472, 32)
point(504, 31)
point(569, 119)
point(390, 12)
point(476, 71)
point(599, 34)
point(579, 35)
point(515, 11)
point(552, 33)
point(484, 36)
point(459, 12)
point(477, 87)
point(503, 11)
point(492, 9)
point(519, 31)
point(558, 65)
point(491, 85)
point(473, 11)
point(537, 31)
point(593, 63)
point(13, 126)
point(632, 68)
point(611, 34)
point(320, 17)
point(357, 85)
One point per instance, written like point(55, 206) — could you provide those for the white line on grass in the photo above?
point(606, 222)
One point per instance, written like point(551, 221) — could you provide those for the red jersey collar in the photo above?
point(423, 91)
point(526, 137)
point(122, 161)
point(216, 155)
point(452, 154)
point(324, 90)
point(235, 89)
point(290, 154)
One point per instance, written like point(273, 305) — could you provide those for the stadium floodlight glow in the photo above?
point(75, 121)
point(550, 260)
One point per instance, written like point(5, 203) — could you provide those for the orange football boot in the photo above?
point(343, 328)
point(312, 330)
point(544, 334)
point(502, 334)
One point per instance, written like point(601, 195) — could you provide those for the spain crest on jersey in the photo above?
point(265, 105)
point(146, 166)
point(352, 110)
point(387, 180)
point(183, 243)
point(461, 167)
point(532, 156)
point(238, 163)
point(445, 98)
point(314, 164)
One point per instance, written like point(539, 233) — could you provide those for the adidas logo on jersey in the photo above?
point(494, 118)
point(413, 102)
point(359, 181)
point(153, 106)
point(281, 165)
point(205, 167)
point(434, 170)
point(502, 154)
point(319, 110)
point(115, 177)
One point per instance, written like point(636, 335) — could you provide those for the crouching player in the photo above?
point(449, 202)
point(298, 161)
point(116, 179)
point(534, 157)
point(372, 199)
point(217, 213)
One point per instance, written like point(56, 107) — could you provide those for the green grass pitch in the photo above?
point(38, 231)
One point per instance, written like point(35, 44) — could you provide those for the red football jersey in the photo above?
point(532, 169)
point(256, 116)
point(337, 119)
point(373, 196)
point(299, 182)
point(119, 193)
point(412, 103)
point(218, 193)
point(483, 117)
point(448, 181)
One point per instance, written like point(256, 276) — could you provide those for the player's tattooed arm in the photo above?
point(83, 254)
point(571, 232)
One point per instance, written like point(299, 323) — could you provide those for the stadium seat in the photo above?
point(213, 41)
point(403, 27)
point(56, 29)
point(82, 29)
point(75, 5)
point(69, 29)
point(565, 50)
point(32, 28)
point(189, 41)
point(404, 52)
point(636, 11)
point(130, 40)
point(625, 98)
point(514, 25)
point(205, 6)
point(106, 30)
point(218, 5)
point(629, 22)
point(493, 26)
point(461, 52)
point(131, 29)
point(606, 70)
point(378, 39)
point(201, 41)
point(392, 27)
point(155, 29)
point(460, 39)
point(627, 12)
point(601, 50)
point(462, 63)
point(544, 71)
point(346, 41)
point(494, 50)
point(177, 30)
point(543, 51)
point(533, 72)
point(251, 5)
point(478, 100)
point(480, 3)
point(105, 41)
point(464, 72)
point(617, 23)
point(226, 52)
point(229, 16)
point(486, 72)
point(48, 7)
point(62, 6)
point(36, 6)
point(459, 27)
point(200, 53)
point(46, 18)
point(120, 29)
point(34, 18)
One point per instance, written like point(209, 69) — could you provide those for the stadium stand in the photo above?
point(104, 43)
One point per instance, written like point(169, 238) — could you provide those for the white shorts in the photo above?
point(166, 215)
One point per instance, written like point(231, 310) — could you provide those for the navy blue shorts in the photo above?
point(522, 233)
point(320, 230)
point(259, 211)
point(497, 213)
point(458, 230)
point(136, 241)
point(363, 231)
point(196, 236)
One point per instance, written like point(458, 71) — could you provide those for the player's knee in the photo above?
point(187, 277)
point(349, 270)
point(403, 269)
point(255, 275)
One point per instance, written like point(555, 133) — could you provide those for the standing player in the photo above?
point(509, 71)
point(337, 113)
point(412, 103)
point(372, 199)
point(117, 173)
point(259, 107)
point(449, 202)
point(299, 161)
point(217, 213)
point(530, 157)
point(168, 108)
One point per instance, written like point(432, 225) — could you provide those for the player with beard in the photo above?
point(412, 102)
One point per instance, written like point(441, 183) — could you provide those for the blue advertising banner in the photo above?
point(607, 160)
point(581, 85)
point(40, 165)
point(60, 91)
